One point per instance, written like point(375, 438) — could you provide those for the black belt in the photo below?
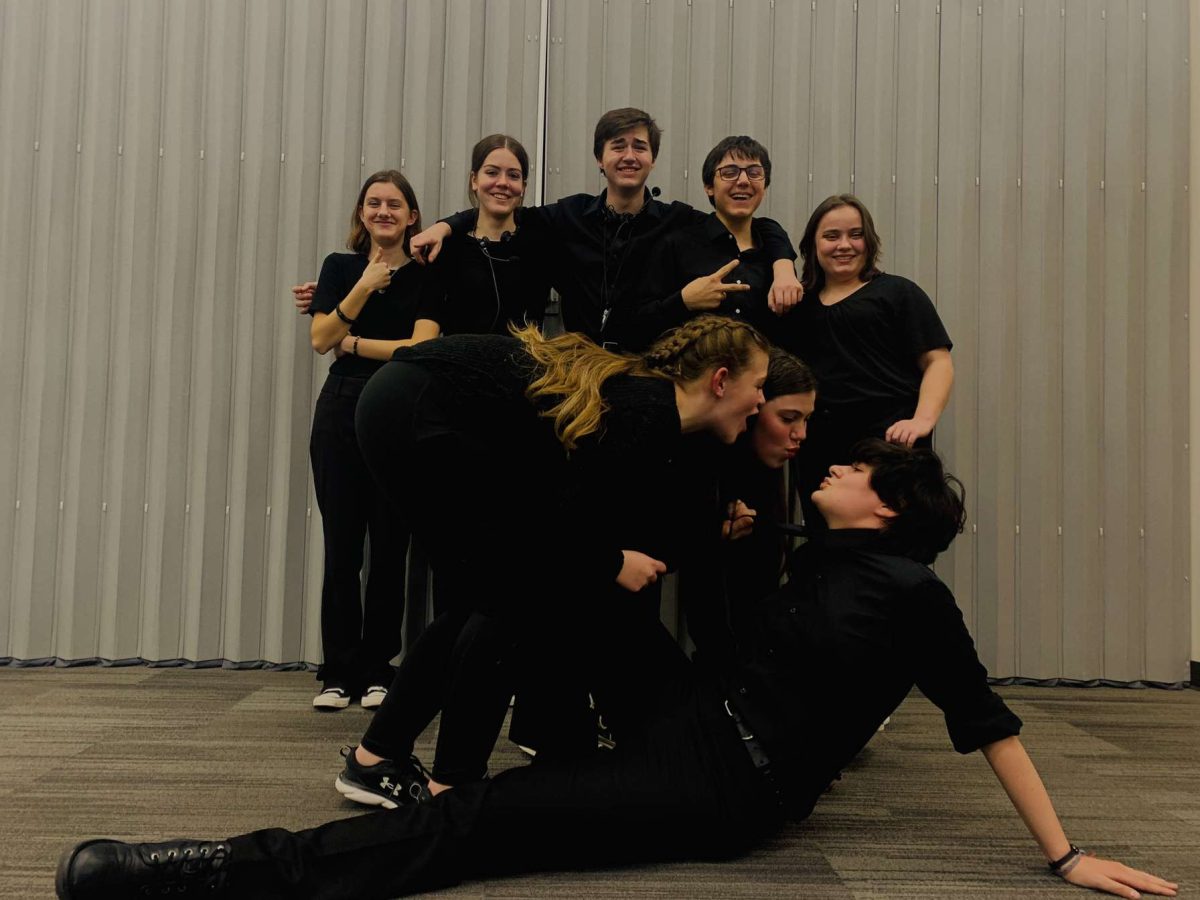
point(754, 747)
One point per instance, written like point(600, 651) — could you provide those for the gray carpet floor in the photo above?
point(144, 754)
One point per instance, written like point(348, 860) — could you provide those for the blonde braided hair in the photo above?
point(702, 344)
point(574, 369)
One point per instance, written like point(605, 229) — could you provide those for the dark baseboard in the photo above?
point(1195, 674)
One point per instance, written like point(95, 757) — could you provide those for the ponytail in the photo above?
point(573, 369)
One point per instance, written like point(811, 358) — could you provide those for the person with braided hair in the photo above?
point(479, 416)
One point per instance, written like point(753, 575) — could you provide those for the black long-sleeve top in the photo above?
point(693, 251)
point(478, 286)
point(828, 657)
point(620, 489)
point(596, 259)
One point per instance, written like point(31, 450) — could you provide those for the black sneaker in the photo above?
point(387, 784)
point(103, 870)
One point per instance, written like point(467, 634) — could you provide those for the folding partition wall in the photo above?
point(167, 170)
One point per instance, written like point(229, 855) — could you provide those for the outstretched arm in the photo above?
point(1024, 787)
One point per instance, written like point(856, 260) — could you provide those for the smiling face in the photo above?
point(738, 397)
point(847, 500)
point(385, 214)
point(737, 199)
point(841, 244)
point(499, 184)
point(627, 160)
point(781, 427)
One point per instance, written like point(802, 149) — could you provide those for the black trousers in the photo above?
point(360, 630)
point(680, 785)
point(468, 494)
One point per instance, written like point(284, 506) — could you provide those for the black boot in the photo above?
point(112, 870)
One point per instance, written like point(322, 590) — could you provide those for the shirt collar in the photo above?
point(870, 539)
point(715, 230)
point(650, 206)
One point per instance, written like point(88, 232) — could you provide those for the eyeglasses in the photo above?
point(732, 173)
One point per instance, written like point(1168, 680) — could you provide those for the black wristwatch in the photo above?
point(1066, 863)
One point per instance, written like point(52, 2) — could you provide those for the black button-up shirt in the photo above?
point(694, 251)
point(828, 657)
point(596, 259)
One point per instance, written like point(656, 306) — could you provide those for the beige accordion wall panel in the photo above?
point(167, 170)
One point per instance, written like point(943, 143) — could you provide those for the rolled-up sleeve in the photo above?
point(949, 673)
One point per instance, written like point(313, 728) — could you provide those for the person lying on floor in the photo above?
point(712, 759)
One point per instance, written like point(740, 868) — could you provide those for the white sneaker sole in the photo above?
point(321, 701)
point(358, 795)
point(372, 701)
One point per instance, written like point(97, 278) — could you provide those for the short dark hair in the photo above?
point(927, 500)
point(787, 374)
point(616, 122)
point(359, 240)
point(813, 276)
point(740, 146)
point(479, 154)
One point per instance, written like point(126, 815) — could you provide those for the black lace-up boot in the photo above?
point(110, 870)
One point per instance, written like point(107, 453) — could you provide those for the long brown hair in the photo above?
point(573, 369)
point(359, 240)
point(480, 152)
point(813, 276)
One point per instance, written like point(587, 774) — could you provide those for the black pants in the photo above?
point(470, 498)
point(461, 667)
point(680, 785)
point(360, 631)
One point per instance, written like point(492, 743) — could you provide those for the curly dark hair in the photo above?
point(927, 500)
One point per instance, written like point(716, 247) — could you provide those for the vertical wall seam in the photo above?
point(1061, 499)
point(540, 173)
point(1018, 436)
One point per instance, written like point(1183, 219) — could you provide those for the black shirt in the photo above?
point(478, 286)
point(693, 251)
point(596, 258)
point(387, 315)
point(619, 489)
point(834, 652)
point(864, 348)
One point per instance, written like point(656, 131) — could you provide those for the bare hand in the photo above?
point(908, 431)
point(639, 570)
point(740, 522)
point(302, 296)
point(426, 246)
point(785, 293)
point(377, 275)
point(707, 291)
point(1114, 878)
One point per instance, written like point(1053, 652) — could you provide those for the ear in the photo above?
point(718, 380)
point(412, 217)
point(884, 511)
point(708, 189)
point(473, 183)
